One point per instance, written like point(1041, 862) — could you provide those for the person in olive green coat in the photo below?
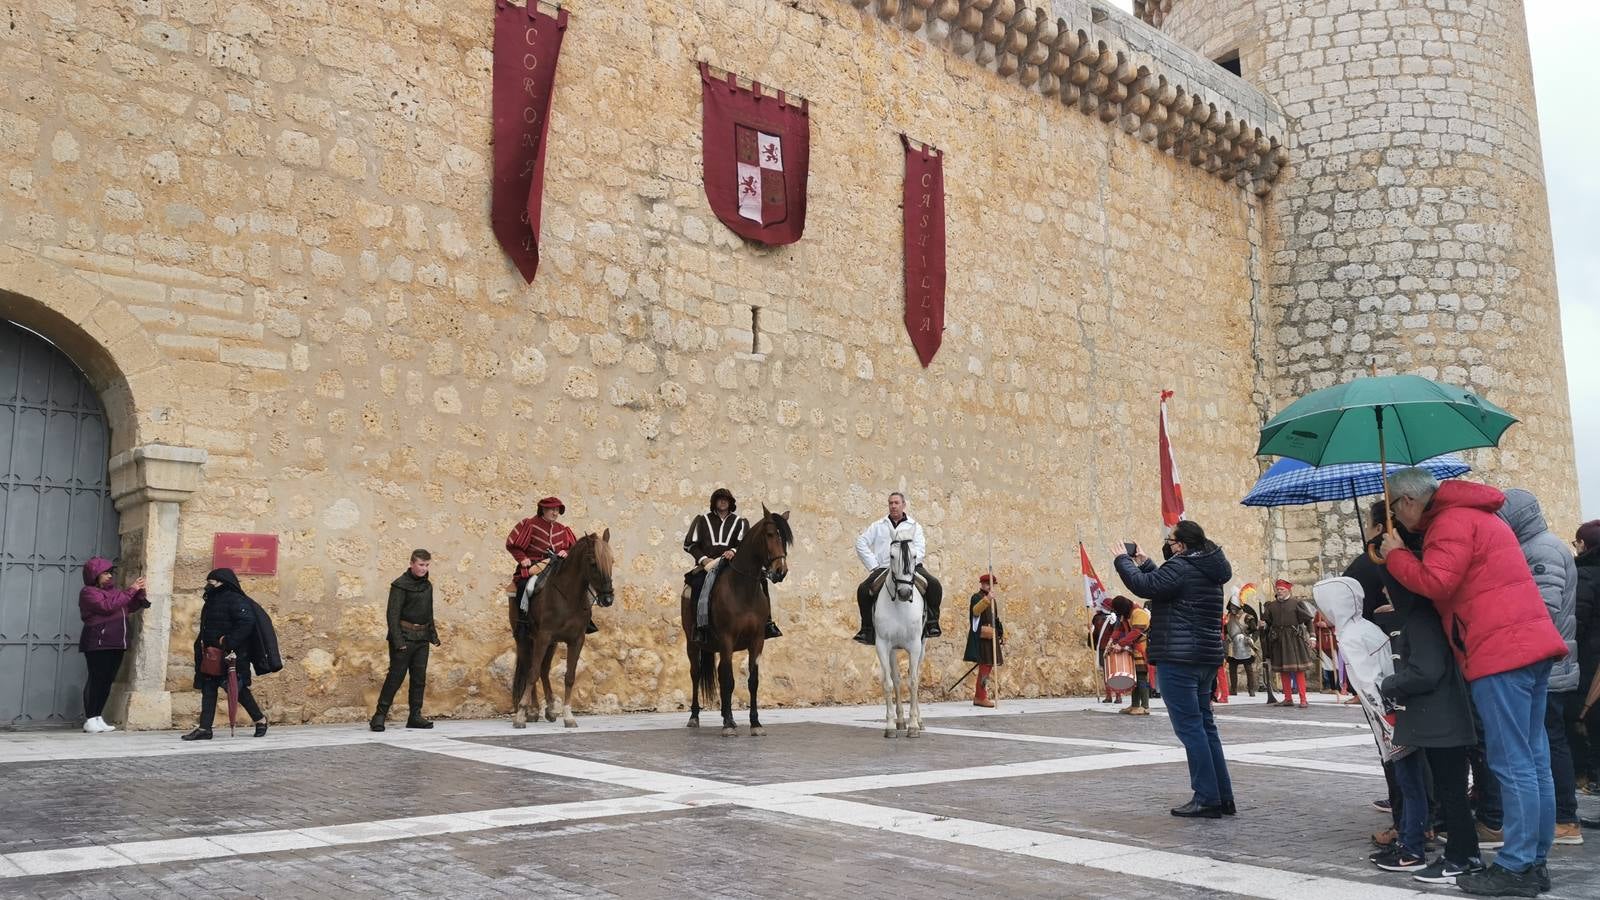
point(411, 632)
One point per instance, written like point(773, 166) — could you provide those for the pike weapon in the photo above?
point(994, 638)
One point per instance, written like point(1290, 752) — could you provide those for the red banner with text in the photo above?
point(526, 44)
point(923, 205)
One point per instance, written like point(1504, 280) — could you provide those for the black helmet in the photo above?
point(723, 493)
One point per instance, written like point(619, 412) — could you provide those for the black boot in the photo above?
point(589, 628)
point(415, 720)
point(930, 629)
point(1194, 809)
point(199, 734)
point(376, 723)
point(864, 600)
point(772, 630)
point(865, 636)
point(261, 728)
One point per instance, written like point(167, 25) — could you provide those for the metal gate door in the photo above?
point(55, 513)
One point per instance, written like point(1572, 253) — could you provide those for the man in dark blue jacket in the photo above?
point(1185, 596)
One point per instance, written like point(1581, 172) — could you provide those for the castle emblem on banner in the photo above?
point(756, 150)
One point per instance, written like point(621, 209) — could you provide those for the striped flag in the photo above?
point(1094, 593)
point(1171, 484)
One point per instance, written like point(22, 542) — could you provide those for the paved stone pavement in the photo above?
point(1043, 798)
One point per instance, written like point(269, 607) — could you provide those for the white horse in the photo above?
point(897, 620)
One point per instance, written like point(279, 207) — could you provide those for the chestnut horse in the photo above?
point(559, 613)
point(740, 610)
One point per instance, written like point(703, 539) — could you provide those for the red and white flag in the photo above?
point(1171, 484)
point(1094, 593)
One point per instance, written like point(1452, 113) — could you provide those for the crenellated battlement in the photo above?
point(1111, 67)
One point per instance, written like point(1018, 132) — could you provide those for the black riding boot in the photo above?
point(864, 600)
point(772, 630)
point(590, 628)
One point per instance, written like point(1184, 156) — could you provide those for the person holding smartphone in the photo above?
point(1185, 644)
point(104, 609)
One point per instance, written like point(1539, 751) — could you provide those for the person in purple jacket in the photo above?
point(104, 608)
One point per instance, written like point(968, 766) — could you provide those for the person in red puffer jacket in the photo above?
point(1473, 569)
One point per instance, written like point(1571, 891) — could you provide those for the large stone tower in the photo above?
point(1412, 230)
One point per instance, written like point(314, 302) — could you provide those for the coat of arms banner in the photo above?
point(756, 149)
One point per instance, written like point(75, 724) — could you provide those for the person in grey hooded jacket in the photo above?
point(1556, 574)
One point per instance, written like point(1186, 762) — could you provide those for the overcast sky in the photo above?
point(1563, 35)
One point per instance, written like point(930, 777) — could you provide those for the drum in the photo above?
point(1119, 669)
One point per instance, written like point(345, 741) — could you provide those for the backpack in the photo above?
point(264, 656)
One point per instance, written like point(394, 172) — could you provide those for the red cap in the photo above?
point(986, 578)
point(553, 503)
point(1286, 585)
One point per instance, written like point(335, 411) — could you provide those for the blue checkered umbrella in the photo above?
point(1291, 482)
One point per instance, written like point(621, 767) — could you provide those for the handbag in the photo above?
point(986, 632)
point(211, 661)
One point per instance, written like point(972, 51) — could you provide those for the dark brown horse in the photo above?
point(740, 610)
point(558, 614)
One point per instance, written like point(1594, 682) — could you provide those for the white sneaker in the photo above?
point(104, 725)
point(89, 726)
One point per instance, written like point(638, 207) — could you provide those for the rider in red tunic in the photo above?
point(537, 541)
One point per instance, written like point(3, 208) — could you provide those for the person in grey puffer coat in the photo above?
point(1556, 574)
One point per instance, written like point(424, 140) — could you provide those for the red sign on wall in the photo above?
point(245, 554)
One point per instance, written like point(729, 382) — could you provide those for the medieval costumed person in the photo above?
point(537, 543)
point(873, 546)
point(411, 632)
point(1328, 654)
point(985, 638)
point(1241, 645)
point(1132, 633)
point(1287, 646)
point(712, 542)
point(1099, 638)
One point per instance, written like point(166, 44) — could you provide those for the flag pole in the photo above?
point(994, 613)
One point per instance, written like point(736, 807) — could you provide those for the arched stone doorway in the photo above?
point(55, 513)
point(146, 484)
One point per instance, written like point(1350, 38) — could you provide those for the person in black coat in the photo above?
point(1185, 595)
point(1435, 716)
point(228, 622)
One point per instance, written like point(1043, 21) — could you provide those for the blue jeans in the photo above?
point(1411, 776)
point(1186, 689)
point(1512, 705)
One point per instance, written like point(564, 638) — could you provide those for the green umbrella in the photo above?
point(1398, 418)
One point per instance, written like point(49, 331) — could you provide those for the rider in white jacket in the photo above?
point(872, 547)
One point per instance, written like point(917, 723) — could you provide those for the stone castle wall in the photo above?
point(1411, 229)
point(264, 227)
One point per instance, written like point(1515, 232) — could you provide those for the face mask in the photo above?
point(1166, 551)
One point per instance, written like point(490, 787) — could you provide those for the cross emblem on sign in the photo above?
point(245, 554)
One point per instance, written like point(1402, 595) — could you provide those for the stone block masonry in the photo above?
point(270, 222)
point(1411, 230)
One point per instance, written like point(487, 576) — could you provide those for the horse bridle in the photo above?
point(764, 572)
point(590, 589)
point(911, 571)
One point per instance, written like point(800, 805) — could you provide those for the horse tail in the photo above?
point(708, 677)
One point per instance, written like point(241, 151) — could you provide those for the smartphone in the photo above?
point(1131, 547)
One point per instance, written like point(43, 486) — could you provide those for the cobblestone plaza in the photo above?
point(1040, 798)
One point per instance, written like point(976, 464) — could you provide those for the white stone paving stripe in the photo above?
point(1158, 865)
point(645, 780)
point(1312, 765)
point(1219, 714)
point(139, 853)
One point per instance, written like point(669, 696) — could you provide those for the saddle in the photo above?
point(879, 576)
